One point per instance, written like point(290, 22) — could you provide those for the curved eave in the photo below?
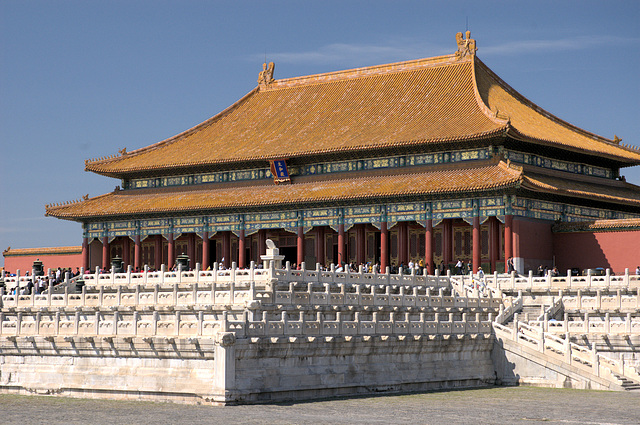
point(622, 194)
point(513, 132)
point(359, 189)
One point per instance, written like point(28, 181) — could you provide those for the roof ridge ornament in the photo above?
point(466, 46)
point(265, 77)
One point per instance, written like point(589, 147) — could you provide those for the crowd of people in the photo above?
point(38, 284)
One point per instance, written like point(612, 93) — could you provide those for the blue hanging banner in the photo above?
point(279, 171)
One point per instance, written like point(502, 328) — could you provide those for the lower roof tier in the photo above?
point(422, 182)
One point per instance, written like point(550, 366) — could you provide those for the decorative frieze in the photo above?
point(270, 220)
point(311, 169)
point(554, 164)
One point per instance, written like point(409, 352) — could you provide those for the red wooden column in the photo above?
point(262, 243)
point(242, 252)
point(126, 249)
point(319, 245)
point(159, 242)
point(172, 250)
point(341, 257)
point(205, 251)
point(428, 246)
point(447, 241)
point(226, 249)
point(384, 247)
point(137, 253)
point(493, 242)
point(508, 240)
point(191, 249)
point(476, 244)
point(360, 243)
point(300, 246)
point(85, 253)
point(105, 252)
point(157, 251)
point(403, 243)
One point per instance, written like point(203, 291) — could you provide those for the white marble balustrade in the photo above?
point(233, 293)
point(591, 325)
point(603, 302)
point(198, 324)
point(514, 282)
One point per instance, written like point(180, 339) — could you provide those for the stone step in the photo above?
point(627, 383)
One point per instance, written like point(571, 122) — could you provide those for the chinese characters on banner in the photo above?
point(279, 171)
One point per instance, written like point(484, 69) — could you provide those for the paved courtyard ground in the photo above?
point(521, 405)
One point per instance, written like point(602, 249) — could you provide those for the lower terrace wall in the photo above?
point(112, 368)
point(268, 370)
point(227, 370)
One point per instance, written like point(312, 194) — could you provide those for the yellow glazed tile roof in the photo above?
point(59, 250)
point(408, 103)
point(219, 196)
point(613, 191)
point(530, 122)
point(599, 225)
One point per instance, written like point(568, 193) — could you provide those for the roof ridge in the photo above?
point(494, 116)
point(373, 70)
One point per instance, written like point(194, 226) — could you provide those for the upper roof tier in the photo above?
point(448, 98)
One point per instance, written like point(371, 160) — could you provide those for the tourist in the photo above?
point(481, 282)
point(459, 266)
point(638, 270)
point(510, 266)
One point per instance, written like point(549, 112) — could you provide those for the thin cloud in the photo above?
point(559, 45)
point(14, 225)
point(345, 53)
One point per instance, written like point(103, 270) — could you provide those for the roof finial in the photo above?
point(466, 45)
point(617, 139)
point(266, 75)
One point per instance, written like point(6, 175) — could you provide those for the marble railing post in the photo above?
point(586, 322)
point(596, 360)
point(579, 299)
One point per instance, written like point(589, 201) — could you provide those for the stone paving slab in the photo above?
point(500, 405)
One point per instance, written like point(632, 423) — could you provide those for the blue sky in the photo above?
point(83, 79)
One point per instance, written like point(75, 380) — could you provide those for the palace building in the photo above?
point(433, 159)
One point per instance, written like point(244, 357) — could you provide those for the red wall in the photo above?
point(533, 242)
point(25, 262)
point(614, 250)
